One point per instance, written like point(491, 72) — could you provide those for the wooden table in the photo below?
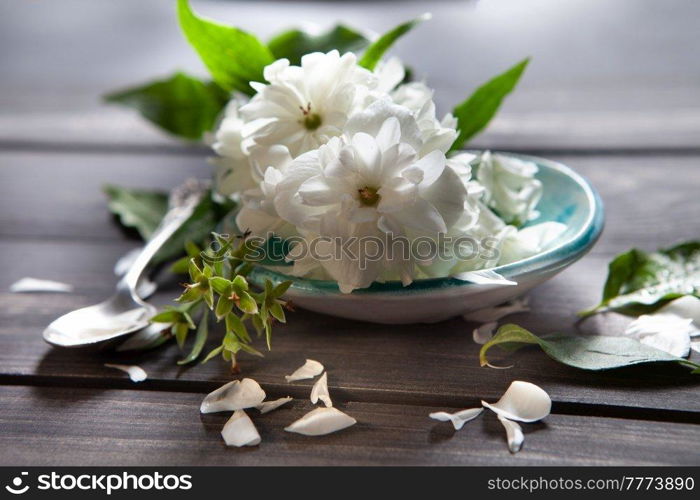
point(612, 91)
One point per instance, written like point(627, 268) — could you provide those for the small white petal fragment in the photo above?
point(459, 418)
point(664, 331)
point(321, 421)
point(29, 285)
point(486, 277)
point(484, 333)
point(136, 373)
point(236, 395)
point(320, 391)
point(514, 433)
point(490, 314)
point(310, 369)
point(268, 406)
point(684, 307)
point(522, 401)
point(240, 431)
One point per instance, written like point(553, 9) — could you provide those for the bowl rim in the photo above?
point(550, 260)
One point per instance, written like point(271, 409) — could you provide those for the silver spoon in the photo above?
point(124, 313)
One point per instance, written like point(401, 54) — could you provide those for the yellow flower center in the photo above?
point(311, 121)
point(369, 196)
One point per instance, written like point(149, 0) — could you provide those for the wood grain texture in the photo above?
point(602, 76)
point(629, 121)
point(424, 364)
point(118, 427)
point(52, 233)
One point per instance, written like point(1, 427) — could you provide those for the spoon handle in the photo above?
point(172, 221)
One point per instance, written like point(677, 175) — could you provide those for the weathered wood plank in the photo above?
point(640, 95)
point(116, 427)
point(417, 363)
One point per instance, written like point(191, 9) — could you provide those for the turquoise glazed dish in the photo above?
point(567, 198)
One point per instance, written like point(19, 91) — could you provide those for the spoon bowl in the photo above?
point(124, 313)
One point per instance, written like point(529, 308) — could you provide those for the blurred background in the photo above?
point(606, 75)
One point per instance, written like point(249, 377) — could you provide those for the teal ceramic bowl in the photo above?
point(567, 198)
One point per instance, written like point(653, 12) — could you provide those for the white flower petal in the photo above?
point(28, 285)
point(484, 333)
point(389, 133)
point(684, 307)
point(432, 165)
point(320, 391)
point(240, 431)
point(421, 215)
point(321, 421)
point(514, 433)
point(236, 395)
point(268, 406)
point(522, 401)
point(459, 418)
point(530, 241)
point(663, 331)
point(310, 369)
point(489, 314)
point(136, 373)
point(485, 277)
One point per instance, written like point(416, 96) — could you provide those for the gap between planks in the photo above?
point(350, 394)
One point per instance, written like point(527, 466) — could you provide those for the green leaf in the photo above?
point(144, 210)
point(247, 304)
point(223, 307)
point(212, 354)
point(293, 44)
point(137, 208)
point(199, 340)
point(180, 266)
point(167, 316)
point(250, 350)
point(277, 312)
point(204, 219)
point(640, 282)
point(191, 294)
point(231, 343)
point(233, 57)
point(235, 324)
point(182, 105)
point(192, 249)
point(240, 284)
point(376, 50)
point(280, 289)
point(222, 286)
point(476, 112)
point(194, 271)
point(180, 330)
point(594, 352)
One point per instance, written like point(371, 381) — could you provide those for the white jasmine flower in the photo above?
point(511, 188)
point(233, 165)
point(259, 211)
point(436, 134)
point(369, 186)
point(379, 177)
point(390, 74)
point(302, 107)
point(530, 241)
